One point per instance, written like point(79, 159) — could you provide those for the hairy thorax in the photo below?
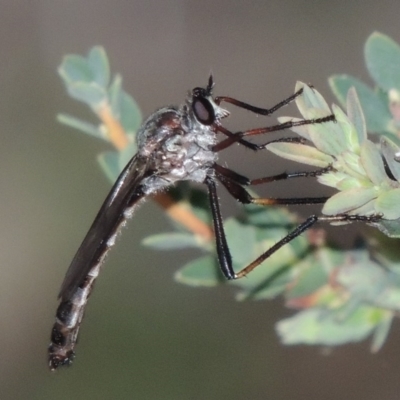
point(176, 147)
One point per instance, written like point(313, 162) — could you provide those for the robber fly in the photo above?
point(174, 144)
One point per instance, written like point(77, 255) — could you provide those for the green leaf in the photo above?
point(376, 111)
point(90, 93)
point(98, 62)
point(314, 273)
point(301, 130)
point(269, 274)
point(269, 288)
point(328, 137)
point(131, 116)
point(82, 126)
point(114, 95)
point(349, 133)
point(389, 296)
point(388, 203)
point(109, 163)
point(382, 56)
point(371, 160)
point(242, 251)
point(301, 153)
point(172, 241)
point(366, 209)
point(382, 330)
point(338, 180)
point(349, 163)
point(247, 242)
point(74, 69)
point(269, 217)
point(356, 115)
point(348, 200)
point(319, 326)
point(364, 286)
point(203, 271)
point(370, 283)
point(363, 278)
point(126, 154)
point(124, 107)
point(390, 228)
point(310, 99)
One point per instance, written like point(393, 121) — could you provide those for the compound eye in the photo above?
point(203, 111)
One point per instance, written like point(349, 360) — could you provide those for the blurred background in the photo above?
point(145, 336)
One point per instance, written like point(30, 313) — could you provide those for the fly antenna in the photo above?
point(210, 84)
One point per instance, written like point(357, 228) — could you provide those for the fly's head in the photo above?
point(203, 106)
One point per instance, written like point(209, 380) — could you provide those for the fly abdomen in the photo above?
point(68, 319)
point(61, 347)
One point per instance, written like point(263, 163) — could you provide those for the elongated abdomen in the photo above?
point(68, 319)
point(85, 267)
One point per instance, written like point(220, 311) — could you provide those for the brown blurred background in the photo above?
point(145, 336)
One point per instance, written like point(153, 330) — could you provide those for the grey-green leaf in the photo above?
point(114, 96)
point(390, 228)
point(356, 115)
point(82, 126)
point(74, 69)
point(382, 56)
point(388, 203)
point(90, 93)
point(203, 271)
point(124, 107)
point(131, 115)
point(310, 99)
point(377, 114)
point(301, 153)
point(319, 326)
point(171, 241)
point(98, 62)
point(109, 162)
point(371, 160)
point(381, 331)
point(348, 200)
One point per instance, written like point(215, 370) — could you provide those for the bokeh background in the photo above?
point(145, 336)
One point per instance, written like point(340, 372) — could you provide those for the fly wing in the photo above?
point(125, 193)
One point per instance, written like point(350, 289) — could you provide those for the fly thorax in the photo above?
point(178, 148)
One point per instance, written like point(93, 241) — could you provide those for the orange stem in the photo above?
point(116, 132)
point(185, 217)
